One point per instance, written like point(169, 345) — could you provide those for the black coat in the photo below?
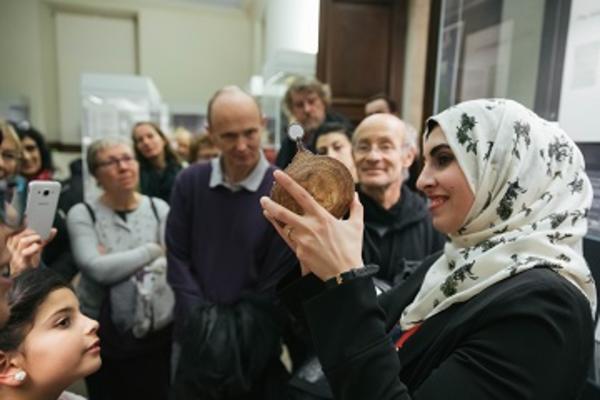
point(155, 183)
point(527, 337)
point(231, 351)
point(398, 238)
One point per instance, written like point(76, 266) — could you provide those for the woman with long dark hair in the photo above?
point(159, 164)
point(36, 163)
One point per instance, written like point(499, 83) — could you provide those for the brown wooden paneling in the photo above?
point(431, 63)
point(361, 51)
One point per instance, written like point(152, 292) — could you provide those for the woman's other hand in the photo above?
point(26, 249)
point(324, 245)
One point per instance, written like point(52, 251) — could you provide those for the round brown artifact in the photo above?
point(325, 178)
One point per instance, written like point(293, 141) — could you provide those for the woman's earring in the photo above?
point(20, 375)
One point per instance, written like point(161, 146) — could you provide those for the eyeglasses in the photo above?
point(11, 201)
point(116, 162)
point(363, 148)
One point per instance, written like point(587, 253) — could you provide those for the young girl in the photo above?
point(47, 344)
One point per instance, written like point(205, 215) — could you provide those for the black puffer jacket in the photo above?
point(231, 352)
point(399, 238)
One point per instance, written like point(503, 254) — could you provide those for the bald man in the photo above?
point(220, 247)
point(398, 229)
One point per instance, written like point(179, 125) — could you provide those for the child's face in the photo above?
point(62, 345)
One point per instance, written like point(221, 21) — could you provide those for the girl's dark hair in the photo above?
point(170, 156)
point(28, 292)
point(329, 127)
point(25, 130)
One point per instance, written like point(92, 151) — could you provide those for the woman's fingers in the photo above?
point(356, 211)
point(298, 193)
point(283, 231)
point(20, 241)
point(280, 213)
point(27, 240)
point(52, 235)
point(31, 250)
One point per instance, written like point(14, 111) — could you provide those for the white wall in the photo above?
point(192, 54)
point(83, 46)
point(188, 50)
point(292, 25)
point(21, 53)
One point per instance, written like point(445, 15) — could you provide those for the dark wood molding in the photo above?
point(65, 147)
point(398, 52)
point(557, 14)
point(435, 14)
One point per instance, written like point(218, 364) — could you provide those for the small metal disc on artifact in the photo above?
point(325, 178)
point(295, 131)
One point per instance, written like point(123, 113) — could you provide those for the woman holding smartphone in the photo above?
point(23, 245)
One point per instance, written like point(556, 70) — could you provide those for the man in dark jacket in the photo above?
point(307, 100)
point(398, 230)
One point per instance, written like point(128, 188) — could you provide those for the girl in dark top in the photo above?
point(159, 164)
point(504, 312)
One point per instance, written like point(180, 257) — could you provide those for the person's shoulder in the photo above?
point(270, 169)
point(195, 171)
point(334, 116)
point(539, 288)
point(70, 396)
point(413, 198)
point(160, 203)
point(161, 206)
point(79, 211)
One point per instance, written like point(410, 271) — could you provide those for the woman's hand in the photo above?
point(26, 249)
point(324, 245)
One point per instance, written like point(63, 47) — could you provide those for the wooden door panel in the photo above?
point(361, 51)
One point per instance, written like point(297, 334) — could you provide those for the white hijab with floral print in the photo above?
point(532, 197)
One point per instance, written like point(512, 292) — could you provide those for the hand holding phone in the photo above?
point(26, 250)
point(42, 200)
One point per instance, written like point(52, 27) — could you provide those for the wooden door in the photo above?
point(361, 51)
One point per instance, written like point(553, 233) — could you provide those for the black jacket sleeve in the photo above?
point(524, 338)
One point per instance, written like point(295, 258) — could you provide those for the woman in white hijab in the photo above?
point(505, 312)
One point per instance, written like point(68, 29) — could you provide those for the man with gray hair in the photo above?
point(398, 229)
point(307, 101)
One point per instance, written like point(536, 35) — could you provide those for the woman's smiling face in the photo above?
point(444, 183)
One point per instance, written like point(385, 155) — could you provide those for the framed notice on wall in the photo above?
point(580, 95)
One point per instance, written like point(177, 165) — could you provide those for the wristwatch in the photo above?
point(354, 273)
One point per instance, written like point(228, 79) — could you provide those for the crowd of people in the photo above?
point(458, 270)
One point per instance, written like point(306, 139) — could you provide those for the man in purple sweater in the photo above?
point(220, 246)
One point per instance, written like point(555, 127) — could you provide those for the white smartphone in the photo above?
point(42, 199)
